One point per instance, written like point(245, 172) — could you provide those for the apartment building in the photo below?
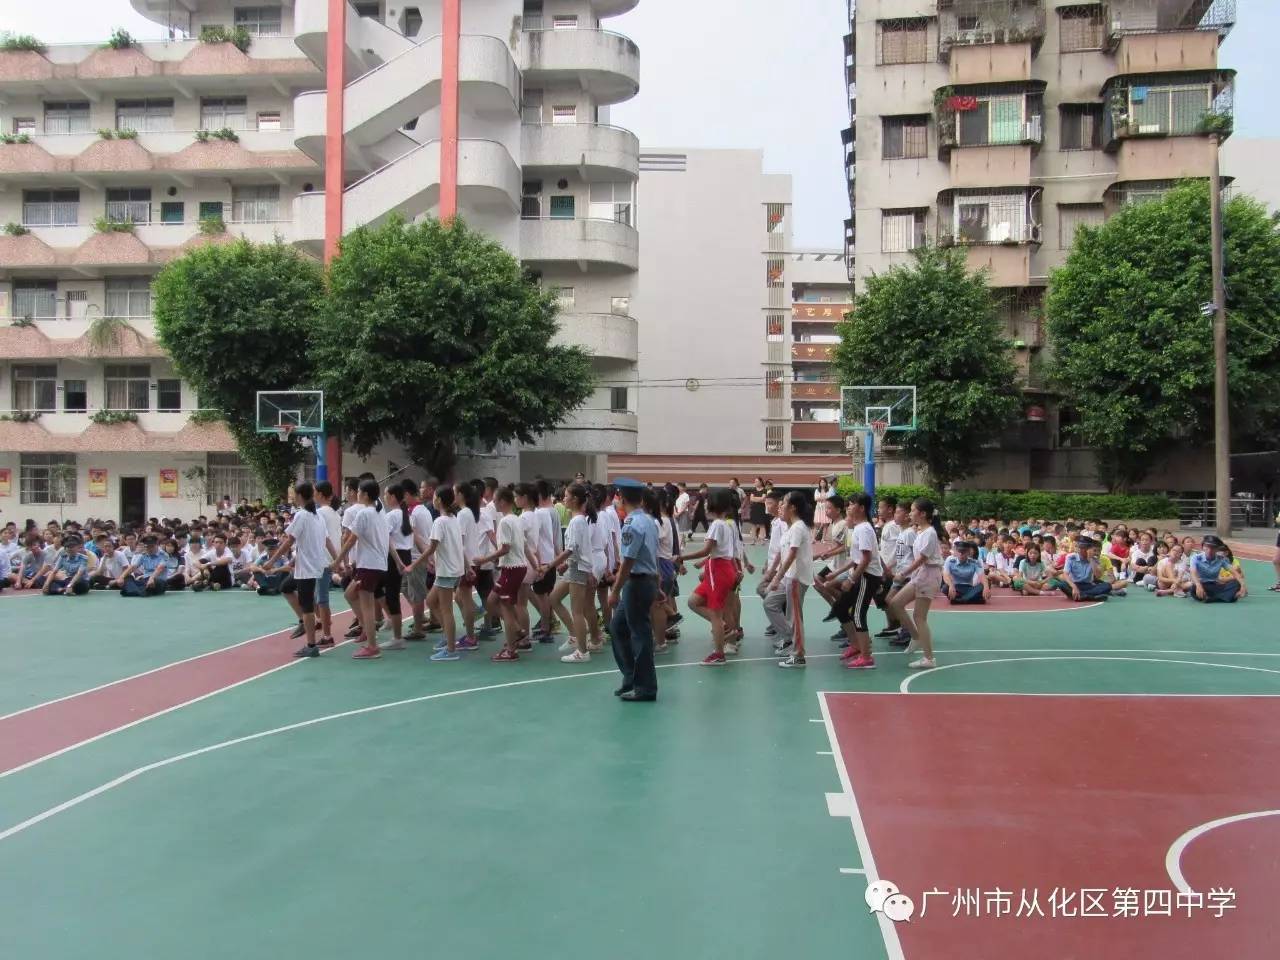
point(1003, 126)
point(118, 157)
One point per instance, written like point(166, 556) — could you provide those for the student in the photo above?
point(775, 598)
point(111, 568)
point(268, 576)
point(146, 575)
point(1082, 578)
point(548, 545)
point(445, 546)
point(194, 573)
point(467, 497)
point(670, 565)
point(530, 526)
point(418, 578)
point(712, 593)
point(599, 570)
point(308, 537)
point(890, 531)
point(834, 552)
point(71, 576)
point(510, 556)
point(1033, 574)
point(684, 514)
point(10, 556)
point(369, 538)
point(1214, 579)
point(794, 576)
point(925, 579)
point(963, 582)
point(865, 570)
point(333, 536)
point(1173, 573)
point(399, 557)
point(487, 527)
point(575, 563)
point(608, 517)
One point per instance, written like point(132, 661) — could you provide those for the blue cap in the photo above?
point(628, 483)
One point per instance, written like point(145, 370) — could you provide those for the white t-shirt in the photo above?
point(449, 556)
point(666, 539)
point(613, 535)
point(902, 550)
point(470, 528)
point(373, 541)
point(864, 538)
point(399, 541)
point(800, 539)
point(349, 514)
point(889, 535)
point(682, 505)
point(777, 531)
point(548, 534)
point(310, 555)
point(577, 540)
point(530, 526)
point(112, 566)
point(420, 520)
point(486, 534)
point(838, 533)
point(511, 535)
point(599, 548)
point(332, 527)
point(926, 545)
point(726, 547)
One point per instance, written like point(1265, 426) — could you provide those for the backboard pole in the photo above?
point(322, 461)
point(869, 467)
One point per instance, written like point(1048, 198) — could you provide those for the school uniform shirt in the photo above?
point(926, 545)
point(172, 563)
point(777, 532)
point(243, 560)
point(486, 534)
point(666, 538)
point(373, 540)
point(310, 550)
point(10, 557)
point(420, 519)
point(211, 556)
point(1006, 564)
point(613, 535)
point(332, 529)
point(577, 540)
point(800, 539)
point(548, 534)
point(191, 563)
point(449, 556)
point(1031, 571)
point(902, 550)
point(398, 540)
point(739, 545)
point(531, 526)
point(682, 505)
point(349, 514)
point(726, 547)
point(470, 528)
point(113, 566)
point(511, 536)
point(599, 548)
point(864, 538)
point(889, 535)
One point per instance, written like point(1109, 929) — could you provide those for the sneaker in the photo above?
point(440, 644)
point(416, 636)
point(680, 616)
point(887, 632)
point(924, 663)
point(731, 649)
point(861, 663)
point(831, 615)
point(524, 643)
point(770, 632)
point(576, 657)
point(837, 636)
point(215, 587)
point(673, 635)
point(899, 643)
point(594, 647)
point(1180, 594)
point(505, 656)
point(661, 648)
point(545, 637)
point(1120, 593)
point(1152, 587)
point(353, 631)
point(467, 643)
point(298, 631)
point(367, 653)
point(568, 646)
point(849, 653)
point(377, 627)
point(396, 645)
point(783, 649)
point(307, 651)
point(792, 661)
point(713, 659)
point(198, 587)
point(440, 656)
point(433, 627)
point(326, 641)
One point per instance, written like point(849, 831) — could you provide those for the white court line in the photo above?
point(905, 686)
point(892, 946)
point(853, 870)
point(1173, 859)
point(823, 753)
point(838, 805)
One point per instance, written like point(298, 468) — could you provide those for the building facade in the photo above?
point(1003, 126)
point(117, 158)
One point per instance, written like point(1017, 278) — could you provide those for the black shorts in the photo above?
point(853, 603)
point(882, 593)
point(305, 589)
point(484, 583)
point(546, 583)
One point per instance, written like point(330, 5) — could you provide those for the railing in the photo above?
point(1245, 511)
point(51, 214)
point(1007, 22)
point(995, 233)
point(1167, 110)
point(121, 211)
point(1016, 132)
point(1159, 16)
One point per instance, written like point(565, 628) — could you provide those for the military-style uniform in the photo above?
point(631, 627)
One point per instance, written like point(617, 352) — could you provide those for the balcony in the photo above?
point(598, 244)
point(1155, 52)
point(1005, 116)
point(604, 64)
point(1131, 18)
point(1167, 105)
point(991, 166)
point(814, 390)
point(1006, 265)
point(819, 313)
point(597, 151)
point(593, 431)
point(1172, 158)
point(816, 430)
point(607, 336)
point(369, 42)
point(812, 352)
point(1007, 30)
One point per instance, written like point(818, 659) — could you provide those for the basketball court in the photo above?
point(173, 783)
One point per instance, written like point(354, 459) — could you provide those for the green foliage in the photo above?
point(432, 337)
point(965, 505)
point(934, 324)
point(212, 226)
point(108, 417)
point(206, 416)
point(106, 133)
point(1220, 123)
point(846, 486)
point(1133, 356)
point(21, 416)
point(105, 225)
point(15, 138)
point(238, 36)
point(10, 42)
point(226, 133)
point(15, 229)
point(104, 333)
point(22, 322)
point(237, 318)
point(120, 39)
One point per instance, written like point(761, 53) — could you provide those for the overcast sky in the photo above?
point(738, 73)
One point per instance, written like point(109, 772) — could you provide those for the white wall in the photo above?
point(1253, 164)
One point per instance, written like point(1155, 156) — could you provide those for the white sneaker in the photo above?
point(576, 657)
point(924, 663)
point(568, 646)
point(731, 649)
point(594, 647)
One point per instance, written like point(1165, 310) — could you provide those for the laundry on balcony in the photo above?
point(962, 103)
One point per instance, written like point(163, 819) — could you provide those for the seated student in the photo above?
point(217, 563)
point(1033, 574)
point(1142, 559)
point(1173, 573)
point(1235, 571)
point(193, 568)
point(147, 575)
point(1002, 565)
point(112, 565)
point(1151, 579)
point(71, 575)
point(1082, 577)
point(175, 575)
point(243, 557)
point(1119, 584)
point(1117, 549)
point(963, 581)
point(1207, 570)
point(10, 557)
point(34, 564)
point(270, 575)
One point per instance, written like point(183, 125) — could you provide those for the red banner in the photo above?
point(97, 482)
point(168, 484)
point(6, 482)
point(962, 104)
point(818, 311)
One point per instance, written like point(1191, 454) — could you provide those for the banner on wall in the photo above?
point(6, 479)
point(168, 483)
point(97, 482)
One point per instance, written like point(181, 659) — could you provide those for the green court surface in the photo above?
point(406, 808)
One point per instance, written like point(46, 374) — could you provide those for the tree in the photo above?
point(237, 318)
point(1132, 353)
point(432, 336)
point(934, 324)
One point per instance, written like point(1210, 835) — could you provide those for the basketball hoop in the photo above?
point(878, 429)
point(283, 432)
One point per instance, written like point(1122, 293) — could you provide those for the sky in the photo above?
point(738, 73)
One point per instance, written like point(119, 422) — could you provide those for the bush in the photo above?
point(226, 133)
point(966, 504)
point(15, 138)
point(239, 37)
point(121, 39)
point(846, 486)
point(20, 41)
point(212, 226)
point(103, 225)
point(108, 417)
point(15, 229)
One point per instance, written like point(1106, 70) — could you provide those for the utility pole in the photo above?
point(1221, 414)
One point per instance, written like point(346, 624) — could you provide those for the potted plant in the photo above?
point(106, 225)
point(14, 42)
point(15, 229)
point(238, 37)
point(120, 39)
point(112, 417)
point(15, 138)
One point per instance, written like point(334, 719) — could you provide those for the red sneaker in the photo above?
point(861, 663)
point(505, 656)
point(849, 653)
point(367, 653)
point(714, 659)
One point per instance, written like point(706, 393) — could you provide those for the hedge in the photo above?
point(967, 504)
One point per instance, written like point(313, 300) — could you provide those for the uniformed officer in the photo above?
point(634, 591)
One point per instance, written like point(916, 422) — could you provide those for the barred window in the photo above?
point(1073, 216)
point(127, 387)
point(128, 297)
point(35, 387)
point(259, 21)
point(1081, 28)
point(154, 115)
point(47, 478)
point(774, 268)
point(903, 41)
point(259, 204)
point(1172, 110)
point(901, 230)
point(773, 438)
point(905, 137)
point(1081, 126)
point(232, 477)
point(219, 112)
point(37, 299)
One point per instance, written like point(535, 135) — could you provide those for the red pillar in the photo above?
point(451, 38)
point(334, 162)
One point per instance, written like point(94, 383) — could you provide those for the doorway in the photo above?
point(133, 501)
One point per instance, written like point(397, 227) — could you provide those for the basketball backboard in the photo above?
point(861, 406)
point(298, 412)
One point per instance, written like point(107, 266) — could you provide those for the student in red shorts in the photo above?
point(721, 574)
point(513, 564)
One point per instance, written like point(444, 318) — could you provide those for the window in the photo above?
point(269, 121)
point(1073, 216)
point(564, 22)
point(562, 208)
point(773, 438)
point(618, 400)
point(259, 21)
point(564, 115)
point(128, 297)
point(255, 204)
point(50, 208)
point(77, 304)
point(412, 21)
point(219, 112)
point(35, 298)
point(620, 306)
point(903, 41)
point(773, 270)
point(172, 211)
point(129, 203)
point(127, 386)
point(24, 126)
point(564, 296)
point(368, 10)
point(168, 396)
point(905, 137)
point(211, 210)
point(531, 200)
point(66, 116)
point(1013, 118)
point(229, 475)
point(532, 16)
point(35, 386)
point(611, 201)
point(1081, 126)
point(1169, 110)
point(989, 218)
point(145, 116)
point(75, 396)
point(47, 478)
point(1081, 28)
point(901, 230)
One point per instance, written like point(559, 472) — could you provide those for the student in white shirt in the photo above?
point(368, 537)
point(400, 542)
point(711, 596)
point(574, 562)
point(894, 572)
point(530, 526)
point(865, 571)
point(473, 548)
point(925, 572)
point(773, 559)
point(333, 534)
point(111, 568)
point(683, 513)
point(510, 555)
point(548, 546)
point(794, 576)
point(308, 537)
point(890, 531)
point(446, 548)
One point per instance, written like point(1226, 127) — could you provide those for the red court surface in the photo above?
point(978, 795)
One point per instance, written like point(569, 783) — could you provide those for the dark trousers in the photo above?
point(965, 594)
point(633, 635)
point(221, 576)
point(1217, 591)
point(1096, 590)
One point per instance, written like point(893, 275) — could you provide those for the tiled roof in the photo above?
point(117, 438)
point(32, 343)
